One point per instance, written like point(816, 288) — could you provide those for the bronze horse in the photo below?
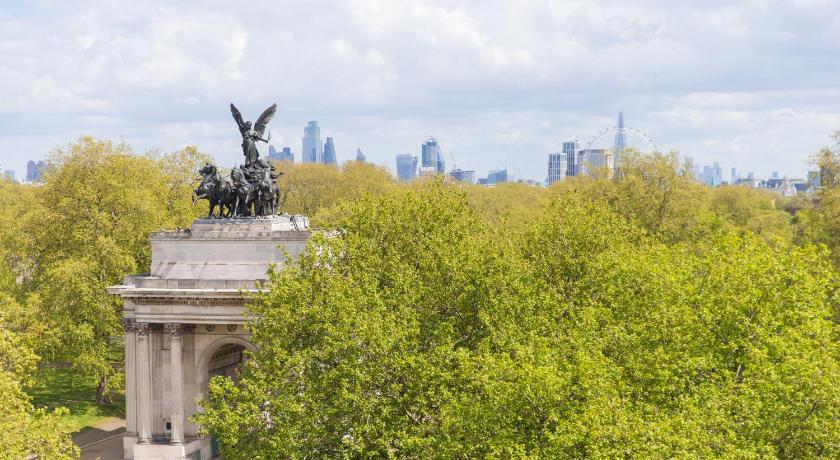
point(268, 195)
point(217, 190)
point(246, 194)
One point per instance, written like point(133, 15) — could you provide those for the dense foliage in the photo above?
point(25, 430)
point(65, 241)
point(644, 315)
point(423, 331)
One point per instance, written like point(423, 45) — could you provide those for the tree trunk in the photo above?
point(102, 397)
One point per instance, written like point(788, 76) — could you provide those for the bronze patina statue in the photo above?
point(252, 134)
point(251, 189)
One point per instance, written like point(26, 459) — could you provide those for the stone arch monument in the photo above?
point(184, 321)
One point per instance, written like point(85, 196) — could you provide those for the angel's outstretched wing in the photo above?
point(263, 120)
point(238, 117)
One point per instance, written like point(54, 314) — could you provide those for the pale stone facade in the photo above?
point(185, 321)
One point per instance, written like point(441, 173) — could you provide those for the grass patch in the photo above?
point(69, 388)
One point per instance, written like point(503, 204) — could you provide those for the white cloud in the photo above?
point(497, 81)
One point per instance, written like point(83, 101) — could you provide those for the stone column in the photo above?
point(144, 385)
point(130, 377)
point(176, 380)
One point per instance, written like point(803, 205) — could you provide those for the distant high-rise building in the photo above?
point(497, 176)
point(312, 151)
point(431, 158)
point(580, 157)
point(557, 167)
point(620, 140)
point(9, 174)
point(360, 156)
point(570, 149)
point(594, 160)
point(775, 175)
point(34, 171)
point(284, 155)
point(287, 155)
point(31, 171)
point(406, 166)
point(329, 153)
point(463, 176)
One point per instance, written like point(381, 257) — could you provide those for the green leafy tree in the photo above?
point(87, 228)
point(25, 430)
point(419, 331)
point(655, 191)
point(319, 191)
point(820, 223)
point(754, 210)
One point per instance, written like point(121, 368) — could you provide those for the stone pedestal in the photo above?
point(184, 320)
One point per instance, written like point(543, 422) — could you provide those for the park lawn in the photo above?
point(77, 392)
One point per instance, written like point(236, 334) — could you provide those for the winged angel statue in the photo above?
point(251, 134)
point(251, 189)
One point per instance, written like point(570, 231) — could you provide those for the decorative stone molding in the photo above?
point(231, 327)
point(210, 327)
point(174, 330)
point(129, 325)
point(143, 328)
point(209, 302)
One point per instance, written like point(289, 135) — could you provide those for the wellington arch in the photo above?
point(184, 323)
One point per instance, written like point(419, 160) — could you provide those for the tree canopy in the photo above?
point(643, 315)
point(423, 331)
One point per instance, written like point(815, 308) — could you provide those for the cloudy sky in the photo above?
point(752, 84)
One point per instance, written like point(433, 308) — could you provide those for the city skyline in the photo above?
point(491, 81)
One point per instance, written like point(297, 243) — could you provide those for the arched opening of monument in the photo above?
point(226, 361)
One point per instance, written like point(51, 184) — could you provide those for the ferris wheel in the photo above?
point(632, 131)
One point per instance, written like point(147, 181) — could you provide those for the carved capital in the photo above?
point(143, 329)
point(129, 325)
point(174, 330)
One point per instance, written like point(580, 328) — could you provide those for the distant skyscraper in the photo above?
point(620, 134)
point(9, 174)
point(497, 176)
point(284, 155)
point(620, 140)
point(557, 167)
point(580, 157)
point(33, 171)
point(570, 149)
point(329, 152)
point(312, 151)
point(287, 155)
point(463, 176)
point(431, 158)
point(360, 156)
point(406, 166)
point(594, 160)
